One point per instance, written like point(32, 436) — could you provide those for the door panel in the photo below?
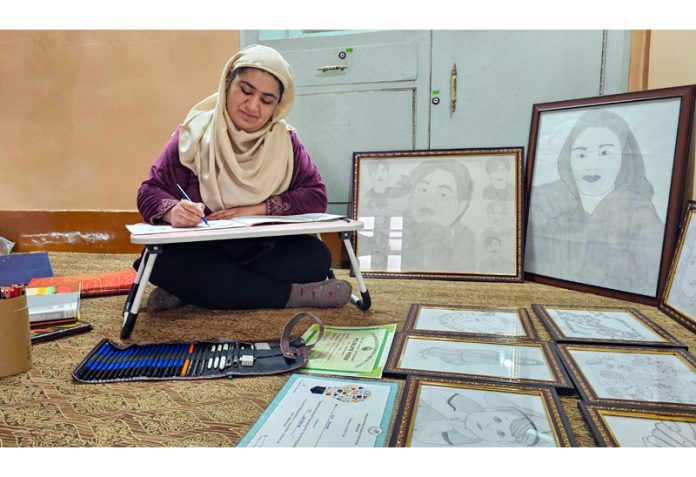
point(332, 126)
point(502, 74)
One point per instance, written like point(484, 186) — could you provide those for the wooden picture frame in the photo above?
point(679, 298)
point(461, 320)
point(604, 185)
point(603, 324)
point(626, 426)
point(519, 361)
point(635, 376)
point(451, 214)
point(439, 412)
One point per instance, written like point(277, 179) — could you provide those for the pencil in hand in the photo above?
point(185, 195)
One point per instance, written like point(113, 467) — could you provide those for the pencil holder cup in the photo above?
point(15, 343)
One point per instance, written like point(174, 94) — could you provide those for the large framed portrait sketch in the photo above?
point(605, 178)
point(679, 298)
point(450, 214)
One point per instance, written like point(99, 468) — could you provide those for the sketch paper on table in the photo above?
point(430, 214)
point(603, 324)
point(470, 321)
point(637, 376)
point(500, 360)
point(453, 416)
point(645, 432)
point(682, 293)
point(325, 412)
point(601, 185)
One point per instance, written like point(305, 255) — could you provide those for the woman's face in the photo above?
point(435, 199)
point(252, 99)
point(595, 160)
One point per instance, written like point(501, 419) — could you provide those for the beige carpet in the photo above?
point(45, 407)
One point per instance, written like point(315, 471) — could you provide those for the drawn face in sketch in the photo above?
point(601, 152)
point(493, 246)
point(496, 211)
point(595, 159)
point(687, 281)
point(498, 170)
point(441, 192)
point(378, 173)
point(506, 425)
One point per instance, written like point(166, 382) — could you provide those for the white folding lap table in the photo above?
point(155, 244)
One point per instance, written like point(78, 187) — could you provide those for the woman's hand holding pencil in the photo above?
point(186, 213)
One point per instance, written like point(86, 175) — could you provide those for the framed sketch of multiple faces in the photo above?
point(617, 325)
point(604, 183)
point(679, 298)
point(437, 412)
point(490, 359)
point(470, 320)
point(632, 375)
point(622, 426)
point(442, 214)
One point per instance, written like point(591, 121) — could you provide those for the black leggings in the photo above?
point(240, 274)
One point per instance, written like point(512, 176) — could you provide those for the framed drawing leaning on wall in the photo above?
point(444, 214)
point(679, 299)
point(604, 180)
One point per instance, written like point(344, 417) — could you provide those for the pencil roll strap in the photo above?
point(285, 337)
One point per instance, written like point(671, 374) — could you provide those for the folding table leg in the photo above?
point(131, 308)
point(366, 301)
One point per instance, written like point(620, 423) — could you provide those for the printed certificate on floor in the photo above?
point(314, 411)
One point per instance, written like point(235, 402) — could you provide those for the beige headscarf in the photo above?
point(235, 167)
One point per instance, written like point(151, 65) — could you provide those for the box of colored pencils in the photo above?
point(217, 358)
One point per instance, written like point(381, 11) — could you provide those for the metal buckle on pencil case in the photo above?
point(208, 359)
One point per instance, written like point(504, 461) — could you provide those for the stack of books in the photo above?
point(54, 311)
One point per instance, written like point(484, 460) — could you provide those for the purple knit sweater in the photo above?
point(158, 193)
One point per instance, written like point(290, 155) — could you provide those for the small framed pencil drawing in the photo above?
point(679, 299)
point(632, 375)
point(589, 324)
point(470, 320)
point(604, 185)
point(623, 426)
point(481, 358)
point(443, 214)
point(437, 412)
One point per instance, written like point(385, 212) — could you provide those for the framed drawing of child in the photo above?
point(605, 177)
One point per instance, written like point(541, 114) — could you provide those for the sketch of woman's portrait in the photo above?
point(680, 294)
point(504, 360)
point(596, 324)
point(493, 321)
point(646, 376)
point(457, 417)
point(599, 191)
point(425, 213)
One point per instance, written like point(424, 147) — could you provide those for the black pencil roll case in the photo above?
point(206, 359)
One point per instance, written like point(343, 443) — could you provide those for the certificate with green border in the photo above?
point(350, 351)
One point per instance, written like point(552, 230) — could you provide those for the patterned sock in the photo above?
point(160, 300)
point(327, 294)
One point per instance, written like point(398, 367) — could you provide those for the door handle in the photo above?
point(324, 69)
point(453, 88)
